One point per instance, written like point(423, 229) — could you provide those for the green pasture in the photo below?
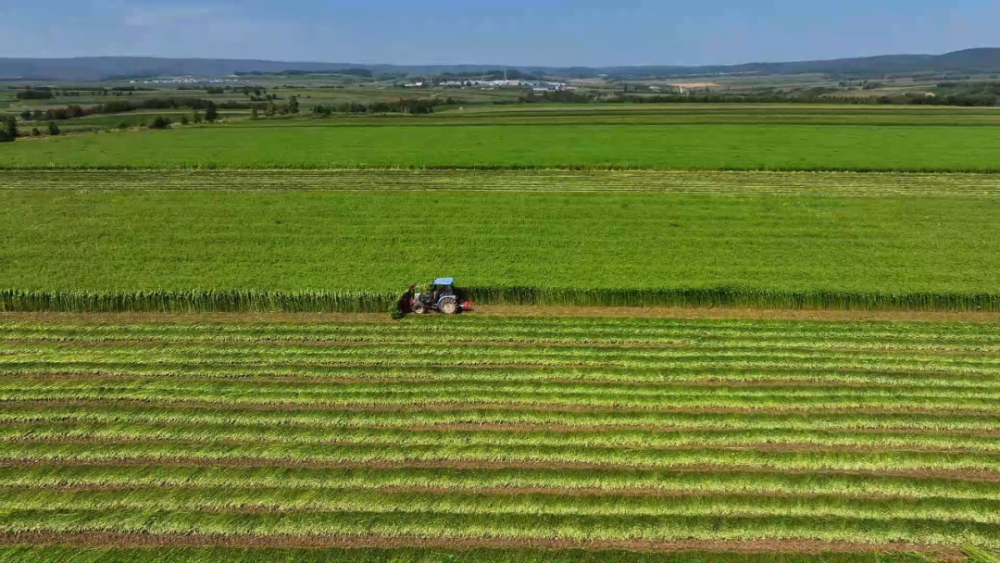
point(440, 143)
point(287, 233)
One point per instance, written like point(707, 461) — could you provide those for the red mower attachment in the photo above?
point(467, 306)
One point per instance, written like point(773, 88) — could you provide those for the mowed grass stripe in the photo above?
point(285, 499)
point(307, 375)
point(562, 481)
point(631, 439)
point(805, 458)
point(536, 526)
point(109, 412)
point(482, 394)
point(780, 183)
point(583, 328)
point(417, 329)
point(935, 343)
point(469, 355)
point(729, 400)
point(223, 431)
point(502, 348)
point(495, 350)
point(493, 355)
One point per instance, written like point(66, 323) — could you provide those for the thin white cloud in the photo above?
point(209, 31)
point(174, 15)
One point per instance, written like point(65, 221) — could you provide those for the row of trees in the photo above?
point(163, 122)
point(272, 109)
point(124, 106)
point(976, 95)
point(9, 130)
point(959, 94)
point(35, 95)
point(9, 125)
point(46, 93)
point(407, 106)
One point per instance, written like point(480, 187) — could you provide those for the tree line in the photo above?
point(125, 106)
point(47, 93)
point(407, 106)
point(8, 129)
point(987, 94)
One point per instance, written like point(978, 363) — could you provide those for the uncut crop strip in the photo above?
point(836, 184)
point(502, 429)
point(205, 301)
point(330, 247)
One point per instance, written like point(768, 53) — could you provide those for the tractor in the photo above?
point(440, 297)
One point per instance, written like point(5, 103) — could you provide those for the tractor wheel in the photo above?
point(448, 306)
point(419, 308)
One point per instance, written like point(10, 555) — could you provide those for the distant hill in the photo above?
point(105, 68)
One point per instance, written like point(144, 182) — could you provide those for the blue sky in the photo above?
point(515, 32)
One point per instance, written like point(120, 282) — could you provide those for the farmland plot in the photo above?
point(352, 240)
point(498, 439)
point(580, 144)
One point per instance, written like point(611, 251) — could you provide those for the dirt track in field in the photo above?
point(515, 311)
point(734, 313)
point(99, 540)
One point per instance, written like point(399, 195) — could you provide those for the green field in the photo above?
point(653, 435)
point(645, 136)
point(590, 238)
point(439, 145)
point(269, 435)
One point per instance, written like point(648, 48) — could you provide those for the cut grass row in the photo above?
point(635, 440)
point(564, 481)
point(485, 353)
point(652, 332)
point(709, 362)
point(701, 504)
point(584, 329)
point(704, 397)
point(533, 526)
point(724, 458)
point(669, 182)
point(686, 339)
point(744, 375)
point(110, 412)
point(339, 433)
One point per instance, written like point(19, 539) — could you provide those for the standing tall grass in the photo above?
point(202, 301)
point(725, 296)
point(196, 301)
